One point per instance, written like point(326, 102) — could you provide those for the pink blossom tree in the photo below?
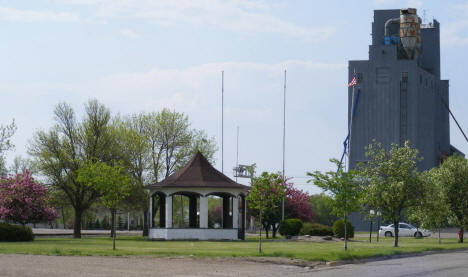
point(23, 200)
point(297, 204)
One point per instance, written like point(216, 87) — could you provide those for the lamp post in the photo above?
point(371, 215)
point(379, 214)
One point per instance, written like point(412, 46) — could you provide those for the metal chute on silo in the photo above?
point(410, 32)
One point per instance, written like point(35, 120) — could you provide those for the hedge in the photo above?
point(315, 229)
point(338, 229)
point(290, 227)
point(10, 232)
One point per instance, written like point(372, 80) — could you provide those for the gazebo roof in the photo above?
point(198, 172)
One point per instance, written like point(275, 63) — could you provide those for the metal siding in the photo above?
point(378, 114)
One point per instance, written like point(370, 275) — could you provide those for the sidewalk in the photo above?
point(44, 232)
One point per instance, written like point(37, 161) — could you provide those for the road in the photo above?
point(442, 264)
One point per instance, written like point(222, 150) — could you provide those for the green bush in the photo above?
point(338, 229)
point(10, 232)
point(290, 227)
point(315, 229)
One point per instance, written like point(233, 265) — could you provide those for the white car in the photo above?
point(404, 230)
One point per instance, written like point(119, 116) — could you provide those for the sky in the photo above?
point(145, 55)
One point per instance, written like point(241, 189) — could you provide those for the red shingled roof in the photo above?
point(198, 172)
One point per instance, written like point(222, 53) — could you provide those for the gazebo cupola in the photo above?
point(179, 204)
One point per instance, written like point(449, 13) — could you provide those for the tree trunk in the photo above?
point(260, 239)
point(275, 229)
point(266, 230)
point(77, 224)
point(439, 236)
point(112, 223)
point(63, 217)
point(145, 224)
point(345, 234)
point(397, 230)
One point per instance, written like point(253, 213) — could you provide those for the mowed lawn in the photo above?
point(139, 246)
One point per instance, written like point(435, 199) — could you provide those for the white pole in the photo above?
point(237, 151)
point(284, 138)
point(222, 121)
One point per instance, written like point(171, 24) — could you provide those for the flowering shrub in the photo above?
point(23, 200)
point(297, 204)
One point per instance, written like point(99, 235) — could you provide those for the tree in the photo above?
point(135, 154)
point(6, 132)
point(453, 177)
point(344, 191)
point(60, 201)
point(322, 208)
point(431, 210)
point(171, 143)
point(112, 183)
point(23, 200)
point(297, 204)
point(20, 165)
point(392, 180)
point(62, 150)
point(264, 200)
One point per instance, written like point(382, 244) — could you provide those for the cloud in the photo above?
point(12, 14)
point(194, 89)
point(253, 94)
point(238, 16)
point(129, 33)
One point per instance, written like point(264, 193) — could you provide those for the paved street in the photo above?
point(447, 264)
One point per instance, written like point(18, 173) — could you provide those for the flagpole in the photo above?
point(284, 140)
point(222, 121)
point(351, 121)
point(237, 151)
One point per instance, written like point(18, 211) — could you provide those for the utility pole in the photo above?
point(284, 140)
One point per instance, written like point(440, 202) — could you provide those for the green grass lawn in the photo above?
point(139, 246)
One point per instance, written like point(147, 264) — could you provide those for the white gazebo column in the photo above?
point(169, 211)
point(203, 211)
point(235, 212)
point(150, 212)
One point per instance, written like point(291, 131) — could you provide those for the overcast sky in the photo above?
point(143, 55)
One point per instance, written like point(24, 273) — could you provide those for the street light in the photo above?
point(379, 214)
point(371, 215)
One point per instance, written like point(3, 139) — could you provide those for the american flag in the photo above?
point(353, 82)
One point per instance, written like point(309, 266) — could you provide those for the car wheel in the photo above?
point(418, 235)
point(388, 234)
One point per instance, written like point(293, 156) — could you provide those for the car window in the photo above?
point(411, 226)
point(403, 226)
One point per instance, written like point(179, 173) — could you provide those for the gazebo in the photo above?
point(179, 204)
